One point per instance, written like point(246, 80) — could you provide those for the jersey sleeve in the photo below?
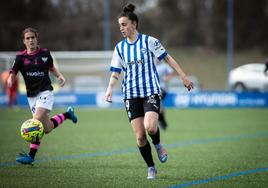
point(50, 59)
point(156, 47)
point(116, 63)
point(16, 65)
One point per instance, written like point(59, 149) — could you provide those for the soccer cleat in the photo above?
point(161, 152)
point(151, 173)
point(24, 158)
point(73, 117)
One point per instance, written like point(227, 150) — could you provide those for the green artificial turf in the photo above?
point(206, 148)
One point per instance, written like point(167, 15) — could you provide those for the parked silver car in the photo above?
point(248, 77)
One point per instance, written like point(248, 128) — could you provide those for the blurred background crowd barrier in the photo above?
point(87, 74)
point(209, 39)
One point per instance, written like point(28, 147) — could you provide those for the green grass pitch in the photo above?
point(206, 148)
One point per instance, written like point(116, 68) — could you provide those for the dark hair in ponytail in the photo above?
point(128, 11)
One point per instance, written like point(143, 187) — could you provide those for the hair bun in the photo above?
point(129, 8)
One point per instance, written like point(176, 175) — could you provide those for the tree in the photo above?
point(17, 15)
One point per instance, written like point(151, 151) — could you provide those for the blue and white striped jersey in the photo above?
point(137, 61)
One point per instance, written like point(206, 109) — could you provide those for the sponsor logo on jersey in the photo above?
point(158, 45)
point(144, 50)
point(136, 62)
point(26, 61)
point(44, 59)
point(35, 74)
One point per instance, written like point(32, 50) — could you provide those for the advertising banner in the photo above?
point(172, 100)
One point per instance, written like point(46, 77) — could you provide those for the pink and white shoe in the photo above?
point(161, 152)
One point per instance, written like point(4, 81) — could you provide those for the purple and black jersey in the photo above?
point(35, 70)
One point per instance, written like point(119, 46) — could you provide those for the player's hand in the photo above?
point(10, 80)
point(187, 83)
point(108, 95)
point(61, 80)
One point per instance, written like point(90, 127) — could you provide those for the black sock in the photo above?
point(156, 137)
point(147, 154)
point(55, 123)
point(33, 150)
point(67, 115)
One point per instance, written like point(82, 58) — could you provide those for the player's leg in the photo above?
point(144, 146)
point(135, 113)
point(43, 115)
point(162, 120)
point(150, 123)
point(61, 117)
point(142, 142)
point(44, 104)
point(41, 106)
point(25, 158)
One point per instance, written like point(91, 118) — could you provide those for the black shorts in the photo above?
point(139, 106)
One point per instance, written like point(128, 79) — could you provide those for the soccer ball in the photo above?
point(32, 130)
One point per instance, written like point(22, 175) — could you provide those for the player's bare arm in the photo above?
point(186, 82)
point(58, 75)
point(11, 79)
point(113, 80)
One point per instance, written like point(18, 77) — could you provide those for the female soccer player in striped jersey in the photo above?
point(135, 55)
point(35, 63)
